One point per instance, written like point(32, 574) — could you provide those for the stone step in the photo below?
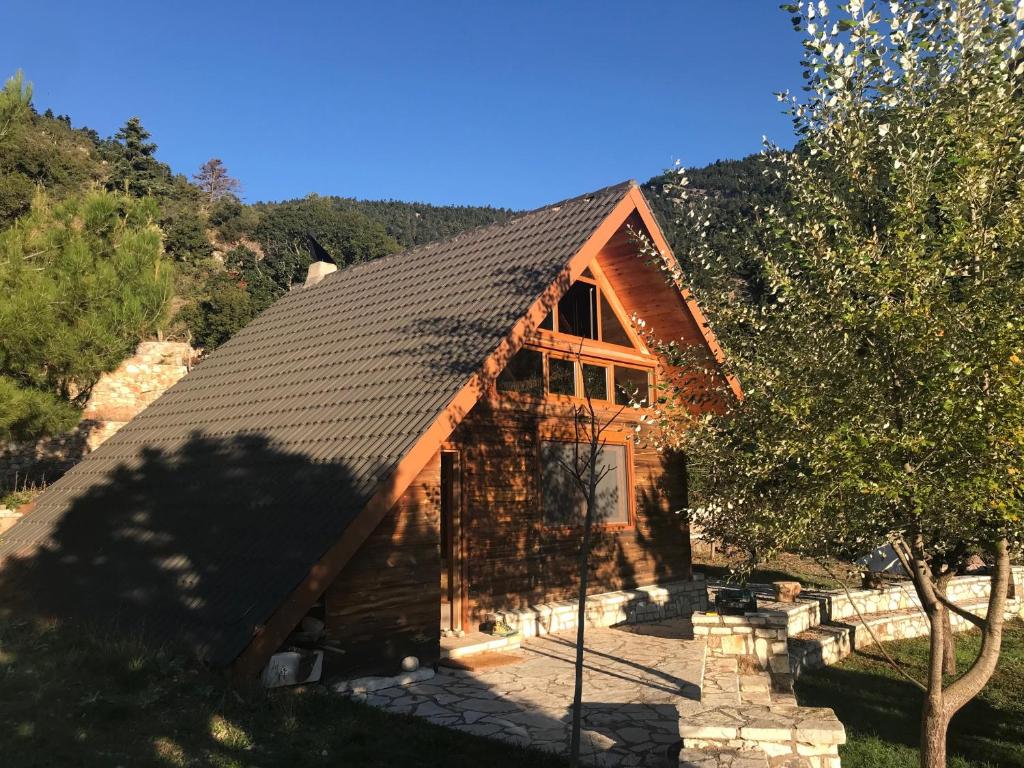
point(826, 644)
point(723, 758)
point(477, 642)
point(794, 735)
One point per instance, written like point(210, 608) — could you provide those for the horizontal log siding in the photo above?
point(385, 604)
point(513, 559)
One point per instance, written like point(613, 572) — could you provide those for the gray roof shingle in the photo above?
point(204, 512)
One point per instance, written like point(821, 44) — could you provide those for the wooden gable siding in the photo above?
point(385, 604)
point(642, 288)
point(513, 559)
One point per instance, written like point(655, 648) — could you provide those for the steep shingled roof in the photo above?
point(204, 512)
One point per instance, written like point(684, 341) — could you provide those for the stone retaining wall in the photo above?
point(825, 627)
point(760, 635)
point(629, 606)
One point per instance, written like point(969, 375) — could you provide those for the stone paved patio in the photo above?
point(639, 682)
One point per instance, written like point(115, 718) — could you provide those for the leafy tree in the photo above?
point(232, 220)
point(883, 361)
point(245, 264)
point(225, 311)
point(135, 169)
point(349, 236)
point(39, 150)
point(214, 181)
point(83, 281)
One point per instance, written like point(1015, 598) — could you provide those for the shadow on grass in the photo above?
point(73, 698)
point(882, 713)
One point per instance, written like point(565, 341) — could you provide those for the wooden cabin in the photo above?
point(387, 446)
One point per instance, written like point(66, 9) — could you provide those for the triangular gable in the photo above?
point(290, 612)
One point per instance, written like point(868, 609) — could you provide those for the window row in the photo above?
point(532, 372)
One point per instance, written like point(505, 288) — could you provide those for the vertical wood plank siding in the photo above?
point(385, 604)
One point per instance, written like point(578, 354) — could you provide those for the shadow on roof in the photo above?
point(193, 547)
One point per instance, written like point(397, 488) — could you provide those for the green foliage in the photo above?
point(39, 150)
point(734, 190)
point(185, 235)
point(232, 220)
point(349, 236)
point(217, 317)
point(246, 265)
point(418, 223)
point(83, 281)
point(134, 168)
point(15, 103)
point(883, 361)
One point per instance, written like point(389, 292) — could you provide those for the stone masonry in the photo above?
point(115, 399)
point(628, 606)
point(758, 635)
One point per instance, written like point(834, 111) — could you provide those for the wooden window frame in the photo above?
point(578, 359)
point(555, 432)
point(605, 292)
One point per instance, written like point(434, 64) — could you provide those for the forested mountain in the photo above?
point(734, 189)
point(226, 259)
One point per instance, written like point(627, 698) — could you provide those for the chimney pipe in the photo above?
point(318, 270)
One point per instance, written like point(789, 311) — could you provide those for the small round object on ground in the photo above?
point(410, 664)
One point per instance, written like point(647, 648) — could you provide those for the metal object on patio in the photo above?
point(735, 602)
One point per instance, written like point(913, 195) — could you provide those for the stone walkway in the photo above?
point(639, 682)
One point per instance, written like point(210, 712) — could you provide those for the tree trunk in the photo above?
point(941, 704)
point(933, 718)
point(949, 641)
point(581, 614)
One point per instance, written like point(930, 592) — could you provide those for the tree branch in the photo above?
point(892, 662)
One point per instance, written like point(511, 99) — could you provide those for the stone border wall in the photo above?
point(788, 736)
point(630, 606)
point(761, 635)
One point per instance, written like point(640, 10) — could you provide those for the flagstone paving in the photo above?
point(638, 682)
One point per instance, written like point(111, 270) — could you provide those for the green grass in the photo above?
point(75, 699)
point(881, 710)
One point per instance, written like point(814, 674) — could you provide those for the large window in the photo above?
point(537, 373)
point(564, 503)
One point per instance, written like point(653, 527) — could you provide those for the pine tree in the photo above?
point(83, 281)
point(135, 169)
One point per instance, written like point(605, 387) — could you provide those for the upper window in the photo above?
point(564, 503)
point(632, 385)
point(577, 311)
point(586, 312)
point(524, 373)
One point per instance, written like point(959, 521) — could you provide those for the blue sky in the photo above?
point(514, 104)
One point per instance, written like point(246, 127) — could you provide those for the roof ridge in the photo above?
point(473, 231)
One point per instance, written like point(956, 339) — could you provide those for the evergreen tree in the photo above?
point(82, 282)
point(135, 169)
